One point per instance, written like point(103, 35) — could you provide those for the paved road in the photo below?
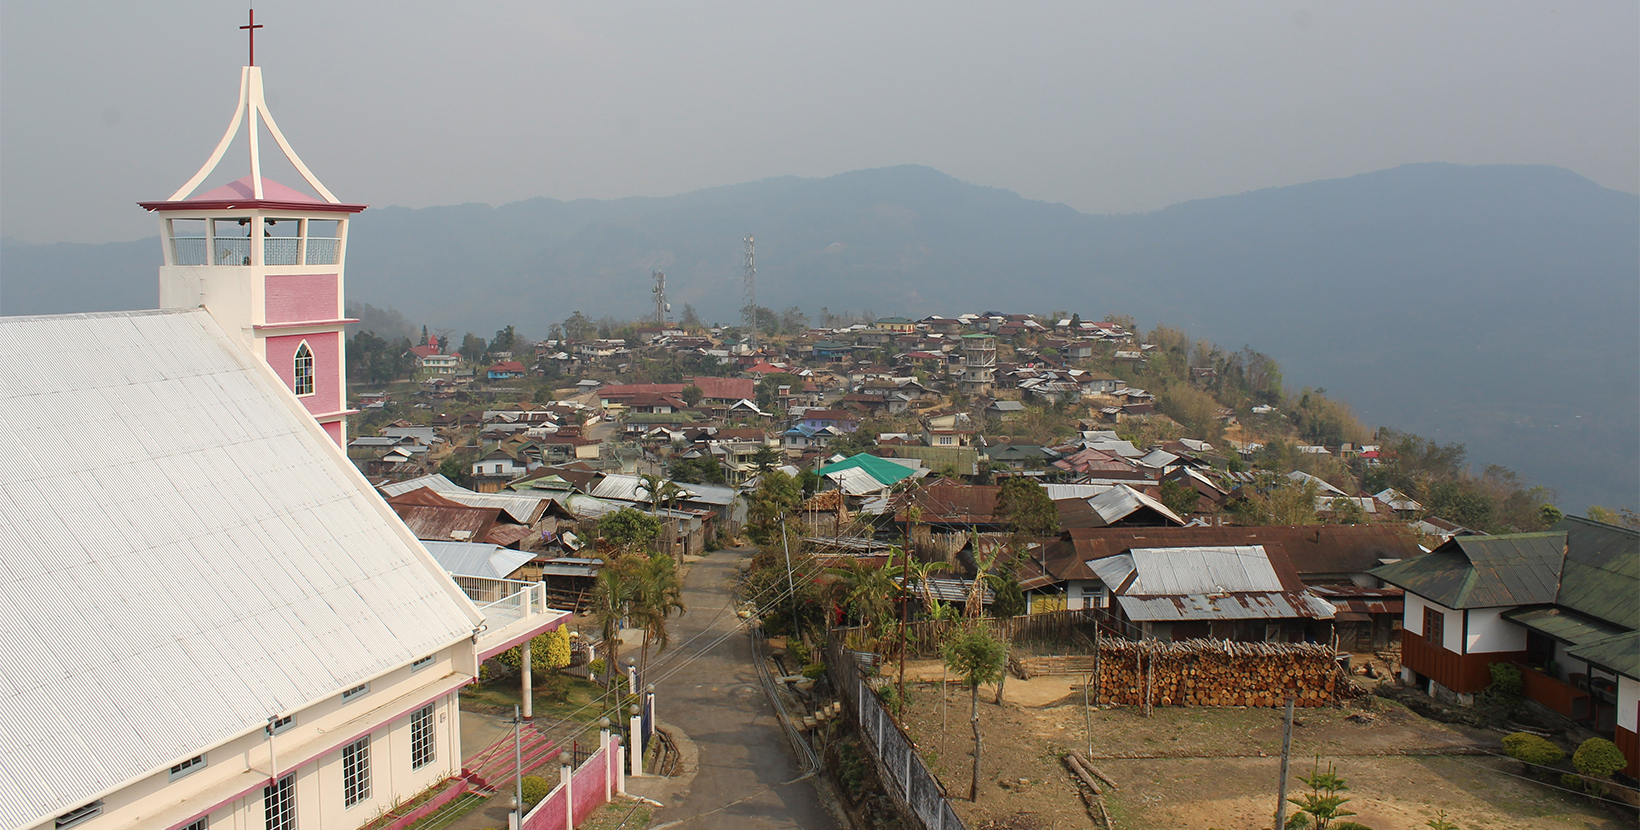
point(746, 769)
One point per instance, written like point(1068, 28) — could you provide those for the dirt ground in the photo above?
point(1204, 767)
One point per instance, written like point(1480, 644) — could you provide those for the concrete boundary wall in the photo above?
point(915, 790)
point(597, 780)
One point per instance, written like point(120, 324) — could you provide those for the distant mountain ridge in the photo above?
point(1494, 305)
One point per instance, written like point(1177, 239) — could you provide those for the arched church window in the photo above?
point(304, 369)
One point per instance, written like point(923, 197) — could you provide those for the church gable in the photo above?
point(208, 539)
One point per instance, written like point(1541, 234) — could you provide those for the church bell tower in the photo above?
point(266, 261)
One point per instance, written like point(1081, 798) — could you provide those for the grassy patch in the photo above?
point(450, 814)
point(620, 814)
point(575, 699)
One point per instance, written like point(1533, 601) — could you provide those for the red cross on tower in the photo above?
point(252, 30)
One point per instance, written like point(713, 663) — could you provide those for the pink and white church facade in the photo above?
point(267, 262)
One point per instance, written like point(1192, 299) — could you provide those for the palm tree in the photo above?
point(976, 657)
point(865, 593)
point(657, 594)
point(611, 595)
point(662, 490)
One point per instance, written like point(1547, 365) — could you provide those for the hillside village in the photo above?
point(319, 574)
point(1048, 470)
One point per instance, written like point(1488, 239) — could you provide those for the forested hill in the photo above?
point(1498, 306)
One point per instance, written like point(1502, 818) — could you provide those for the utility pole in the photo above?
point(791, 587)
point(518, 769)
point(905, 587)
point(1286, 751)
point(748, 314)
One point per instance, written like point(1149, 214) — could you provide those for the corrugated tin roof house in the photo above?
point(1232, 593)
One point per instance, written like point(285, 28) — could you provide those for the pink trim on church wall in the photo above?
point(296, 297)
point(327, 367)
point(334, 430)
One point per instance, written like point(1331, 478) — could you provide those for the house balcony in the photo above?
point(514, 611)
point(1554, 694)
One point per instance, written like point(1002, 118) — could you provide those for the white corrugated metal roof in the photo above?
point(1158, 458)
point(711, 494)
point(477, 559)
point(1074, 491)
point(622, 488)
point(436, 482)
point(1203, 570)
point(856, 482)
point(1258, 605)
point(522, 507)
point(215, 561)
point(1122, 500)
point(1203, 583)
point(1301, 477)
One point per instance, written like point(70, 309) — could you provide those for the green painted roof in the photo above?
point(1484, 571)
point(1561, 624)
point(1620, 653)
point(884, 471)
point(1601, 577)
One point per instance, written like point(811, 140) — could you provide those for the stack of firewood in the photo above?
point(1215, 673)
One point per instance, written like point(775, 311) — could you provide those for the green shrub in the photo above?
point(1570, 781)
point(535, 789)
point(1506, 683)
point(595, 668)
point(814, 671)
point(1441, 822)
point(1598, 757)
point(1531, 749)
point(798, 650)
point(890, 695)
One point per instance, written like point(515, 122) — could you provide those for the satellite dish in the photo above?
point(668, 306)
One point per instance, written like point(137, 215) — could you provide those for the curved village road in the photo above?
point(746, 769)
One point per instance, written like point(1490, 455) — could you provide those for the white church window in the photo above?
point(191, 765)
point(421, 737)
point(201, 823)
point(280, 725)
point(356, 772)
point(80, 815)
point(304, 370)
point(279, 804)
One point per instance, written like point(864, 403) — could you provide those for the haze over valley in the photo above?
point(1489, 305)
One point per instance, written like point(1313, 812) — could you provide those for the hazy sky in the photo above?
point(1107, 107)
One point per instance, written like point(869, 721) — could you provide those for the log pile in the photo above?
point(1026, 667)
point(1215, 673)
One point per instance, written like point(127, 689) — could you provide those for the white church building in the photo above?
point(208, 619)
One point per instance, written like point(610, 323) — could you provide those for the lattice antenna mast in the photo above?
point(748, 314)
point(662, 307)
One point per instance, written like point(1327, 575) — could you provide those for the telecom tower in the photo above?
point(662, 307)
point(748, 314)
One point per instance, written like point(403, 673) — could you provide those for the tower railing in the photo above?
point(233, 250)
point(281, 250)
point(190, 250)
point(277, 250)
point(323, 250)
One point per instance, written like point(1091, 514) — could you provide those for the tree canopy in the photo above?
point(1025, 509)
